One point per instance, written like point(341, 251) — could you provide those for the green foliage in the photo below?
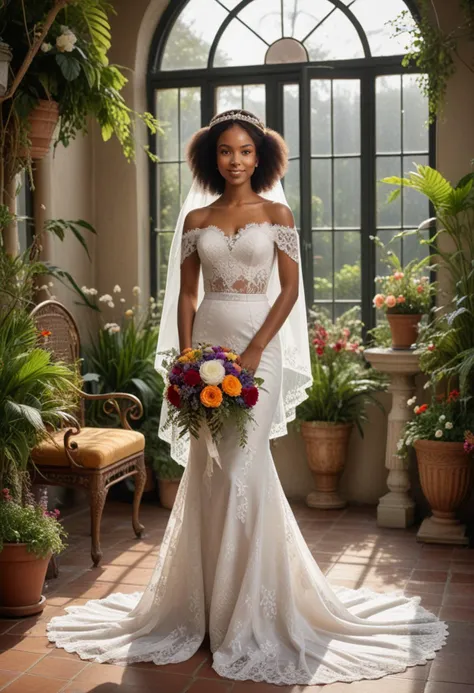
point(30, 524)
point(343, 384)
point(433, 50)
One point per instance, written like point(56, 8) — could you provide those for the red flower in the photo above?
point(250, 396)
point(338, 346)
point(192, 377)
point(176, 370)
point(422, 409)
point(431, 347)
point(453, 395)
point(320, 351)
point(46, 333)
point(173, 396)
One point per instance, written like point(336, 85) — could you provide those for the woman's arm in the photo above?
point(289, 279)
point(188, 293)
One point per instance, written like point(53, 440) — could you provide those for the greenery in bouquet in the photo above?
point(407, 289)
point(207, 385)
point(447, 418)
point(446, 346)
point(343, 383)
point(30, 524)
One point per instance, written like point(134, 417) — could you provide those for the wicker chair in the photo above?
point(93, 459)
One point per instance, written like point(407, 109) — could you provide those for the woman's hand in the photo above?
point(250, 358)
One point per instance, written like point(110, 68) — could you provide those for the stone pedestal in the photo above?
point(396, 508)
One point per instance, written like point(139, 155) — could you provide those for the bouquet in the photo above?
point(205, 387)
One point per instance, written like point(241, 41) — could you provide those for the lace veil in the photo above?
point(296, 377)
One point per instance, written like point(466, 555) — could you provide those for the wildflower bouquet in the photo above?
point(207, 385)
point(449, 419)
point(405, 290)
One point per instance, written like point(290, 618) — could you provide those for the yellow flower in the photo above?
point(231, 356)
point(211, 396)
point(232, 386)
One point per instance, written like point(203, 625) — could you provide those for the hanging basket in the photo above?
point(42, 120)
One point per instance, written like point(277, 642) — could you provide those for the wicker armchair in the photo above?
point(93, 459)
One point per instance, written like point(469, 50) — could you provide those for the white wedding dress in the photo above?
point(233, 562)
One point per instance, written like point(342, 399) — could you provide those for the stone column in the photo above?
point(396, 508)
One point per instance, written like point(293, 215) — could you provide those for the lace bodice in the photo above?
point(241, 263)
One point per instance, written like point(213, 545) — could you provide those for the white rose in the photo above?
point(136, 291)
point(46, 47)
point(117, 289)
point(442, 418)
point(439, 433)
point(65, 42)
point(411, 401)
point(212, 372)
point(448, 425)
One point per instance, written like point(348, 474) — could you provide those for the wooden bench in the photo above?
point(92, 459)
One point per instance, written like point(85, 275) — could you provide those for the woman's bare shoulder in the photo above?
point(195, 219)
point(280, 214)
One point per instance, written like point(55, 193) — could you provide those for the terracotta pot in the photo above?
point(168, 490)
point(445, 476)
point(404, 329)
point(43, 120)
point(326, 449)
point(22, 577)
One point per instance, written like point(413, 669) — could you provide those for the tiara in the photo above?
point(237, 115)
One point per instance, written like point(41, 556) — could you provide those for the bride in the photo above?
point(233, 562)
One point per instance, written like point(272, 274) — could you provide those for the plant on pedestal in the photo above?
point(343, 386)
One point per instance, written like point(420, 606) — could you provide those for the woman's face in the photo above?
point(236, 155)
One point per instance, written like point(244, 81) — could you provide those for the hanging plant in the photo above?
point(434, 51)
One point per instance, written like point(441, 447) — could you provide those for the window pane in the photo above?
point(190, 115)
point(374, 15)
point(320, 116)
point(192, 35)
point(388, 106)
point(163, 251)
point(346, 192)
point(321, 193)
point(186, 181)
point(254, 100)
point(341, 308)
point(388, 214)
point(300, 16)
point(347, 265)
point(413, 250)
point(292, 188)
point(167, 114)
point(415, 206)
point(346, 109)
point(264, 17)
point(415, 116)
point(291, 117)
point(240, 46)
point(228, 98)
point(322, 265)
point(334, 39)
point(286, 50)
point(168, 195)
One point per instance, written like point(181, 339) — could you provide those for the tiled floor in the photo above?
point(348, 546)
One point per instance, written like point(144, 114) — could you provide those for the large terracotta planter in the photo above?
point(404, 329)
point(445, 476)
point(22, 577)
point(42, 120)
point(326, 449)
point(168, 490)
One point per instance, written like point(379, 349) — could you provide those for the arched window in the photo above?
point(327, 74)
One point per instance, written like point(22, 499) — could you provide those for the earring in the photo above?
point(256, 165)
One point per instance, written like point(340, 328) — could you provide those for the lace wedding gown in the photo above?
point(233, 562)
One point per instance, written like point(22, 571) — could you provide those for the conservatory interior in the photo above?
point(375, 100)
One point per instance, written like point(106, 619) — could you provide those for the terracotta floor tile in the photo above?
point(459, 600)
point(25, 644)
point(34, 684)
point(419, 587)
point(6, 677)
point(6, 624)
point(467, 578)
point(58, 668)
point(437, 687)
point(207, 672)
point(458, 589)
point(13, 660)
point(430, 575)
point(201, 686)
point(452, 668)
point(457, 613)
point(27, 628)
point(149, 679)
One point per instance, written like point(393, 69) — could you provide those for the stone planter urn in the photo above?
point(168, 489)
point(404, 329)
point(326, 449)
point(445, 476)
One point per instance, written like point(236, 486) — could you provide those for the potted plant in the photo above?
point(343, 386)
point(404, 296)
point(29, 535)
point(441, 433)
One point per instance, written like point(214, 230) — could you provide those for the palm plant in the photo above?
point(447, 344)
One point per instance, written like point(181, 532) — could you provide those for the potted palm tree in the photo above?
point(343, 386)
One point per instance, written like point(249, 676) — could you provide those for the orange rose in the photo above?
point(232, 386)
point(211, 396)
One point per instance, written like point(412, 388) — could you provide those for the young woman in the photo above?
point(233, 562)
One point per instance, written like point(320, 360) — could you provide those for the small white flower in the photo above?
point(93, 292)
point(46, 47)
point(442, 418)
point(84, 289)
point(400, 445)
point(409, 441)
point(212, 372)
point(136, 291)
point(439, 433)
point(448, 425)
point(427, 385)
point(117, 289)
point(65, 42)
point(43, 288)
point(411, 401)
point(111, 304)
point(122, 300)
point(50, 283)
point(112, 327)
point(43, 207)
point(106, 298)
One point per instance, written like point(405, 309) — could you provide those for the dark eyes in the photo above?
point(245, 151)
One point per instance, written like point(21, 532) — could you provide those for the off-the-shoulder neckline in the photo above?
point(251, 224)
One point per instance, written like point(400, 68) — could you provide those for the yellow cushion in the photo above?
point(97, 448)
